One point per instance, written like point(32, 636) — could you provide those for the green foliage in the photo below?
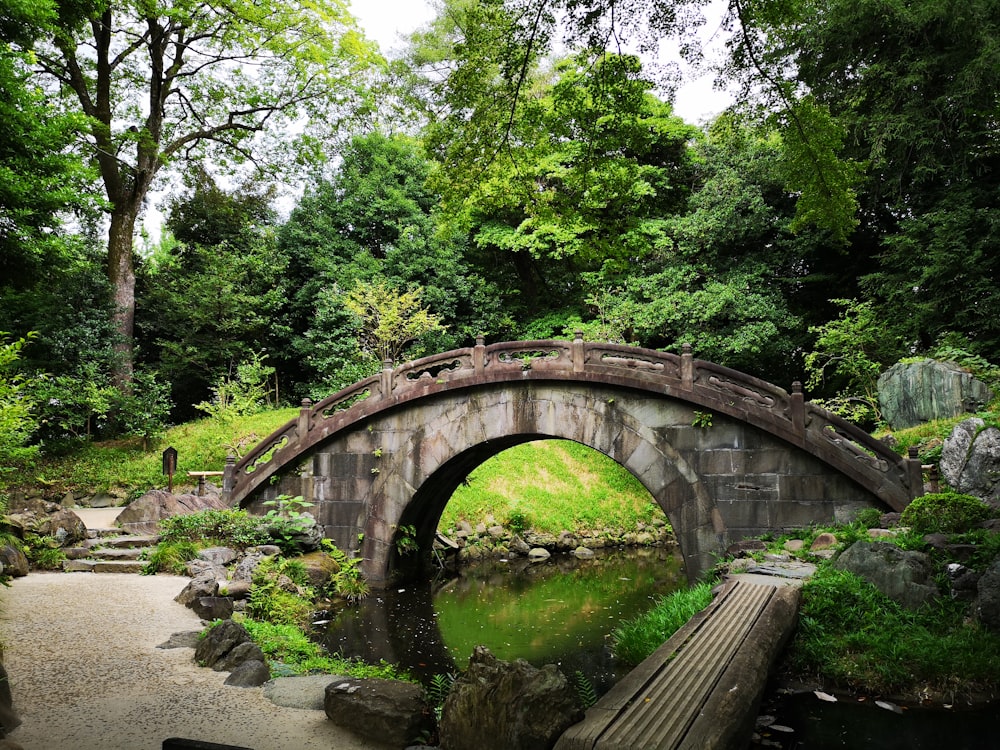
point(289, 648)
point(850, 353)
point(869, 518)
point(636, 639)
point(43, 552)
point(585, 692)
point(518, 521)
point(280, 593)
point(702, 419)
point(229, 527)
point(16, 420)
point(285, 520)
point(856, 637)
point(170, 557)
point(406, 540)
point(348, 582)
point(945, 512)
point(245, 393)
point(389, 319)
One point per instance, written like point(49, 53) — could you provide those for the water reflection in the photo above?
point(561, 611)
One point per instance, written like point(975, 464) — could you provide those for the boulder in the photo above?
point(213, 607)
point(498, 705)
point(9, 718)
point(42, 518)
point(904, 576)
point(204, 584)
point(915, 392)
point(387, 711)
point(143, 515)
point(242, 652)
point(300, 691)
point(13, 561)
point(221, 556)
point(249, 674)
point(320, 567)
point(218, 642)
point(987, 604)
point(970, 460)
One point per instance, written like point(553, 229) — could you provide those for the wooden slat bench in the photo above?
point(699, 690)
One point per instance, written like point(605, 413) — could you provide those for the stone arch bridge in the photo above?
point(724, 454)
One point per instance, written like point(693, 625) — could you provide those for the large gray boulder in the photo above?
point(498, 705)
point(914, 392)
point(142, 515)
point(42, 518)
point(387, 711)
point(902, 575)
point(970, 460)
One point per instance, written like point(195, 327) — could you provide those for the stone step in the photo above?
point(124, 541)
point(129, 553)
point(103, 566)
point(96, 533)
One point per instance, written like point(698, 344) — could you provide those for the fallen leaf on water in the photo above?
point(824, 696)
point(889, 707)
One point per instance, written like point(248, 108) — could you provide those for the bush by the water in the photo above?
point(636, 639)
point(945, 513)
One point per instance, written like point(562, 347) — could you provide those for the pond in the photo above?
point(561, 611)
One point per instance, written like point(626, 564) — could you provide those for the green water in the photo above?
point(558, 612)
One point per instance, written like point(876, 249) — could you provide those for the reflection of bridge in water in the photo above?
point(725, 455)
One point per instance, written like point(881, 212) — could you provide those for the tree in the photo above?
point(16, 420)
point(212, 291)
point(180, 80)
point(389, 319)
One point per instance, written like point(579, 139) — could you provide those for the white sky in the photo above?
point(386, 21)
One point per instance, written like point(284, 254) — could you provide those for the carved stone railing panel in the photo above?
point(733, 386)
point(855, 443)
point(436, 369)
point(629, 358)
point(527, 355)
point(264, 453)
point(344, 399)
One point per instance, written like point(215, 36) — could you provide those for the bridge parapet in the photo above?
point(703, 384)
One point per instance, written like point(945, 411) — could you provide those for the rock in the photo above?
point(212, 607)
point(987, 604)
point(187, 639)
point(915, 392)
point(197, 568)
point(498, 705)
point(964, 582)
point(36, 516)
point(300, 691)
point(235, 589)
point(320, 567)
point(237, 655)
point(390, 712)
point(823, 541)
point(904, 576)
point(970, 460)
point(794, 545)
point(13, 560)
point(745, 547)
point(518, 545)
point(142, 516)
point(249, 674)
point(204, 584)
point(539, 554)
point(219, 641)
point(9, 718)
point(221, 556)
point(584, 553)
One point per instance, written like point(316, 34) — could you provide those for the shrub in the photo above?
point(229, 527)
point(868, 518)
point(279, 594)
point(170, 557)
point(945, 512)
point(636, 639)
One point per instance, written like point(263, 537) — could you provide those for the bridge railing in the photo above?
point(713, 386)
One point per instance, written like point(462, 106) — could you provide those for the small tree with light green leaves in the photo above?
point(389, 319)
point(16, 420)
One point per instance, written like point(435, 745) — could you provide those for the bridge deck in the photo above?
point(701, 688)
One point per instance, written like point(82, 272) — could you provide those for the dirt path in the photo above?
point(80, 649)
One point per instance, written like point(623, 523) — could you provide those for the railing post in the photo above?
point(577, 348)
point(687, 367)
point(798, 408)
point(305, 415)
point(386, 378)
point(228, 479)
point(479, 354)
point(915, 472)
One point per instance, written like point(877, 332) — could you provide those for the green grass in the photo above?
point(289, 650)
point(124, 466)
point(855, 637)
point(550, 486)
point(634, 640)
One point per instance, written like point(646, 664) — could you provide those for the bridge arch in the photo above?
point(389, 451)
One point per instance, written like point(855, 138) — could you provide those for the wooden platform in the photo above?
point(700, 690)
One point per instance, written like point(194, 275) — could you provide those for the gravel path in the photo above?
point(80, 649)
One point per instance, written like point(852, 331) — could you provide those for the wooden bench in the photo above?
point(701, 688)
point(201, 479)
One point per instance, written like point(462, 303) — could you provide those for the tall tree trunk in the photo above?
point(121, 275)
